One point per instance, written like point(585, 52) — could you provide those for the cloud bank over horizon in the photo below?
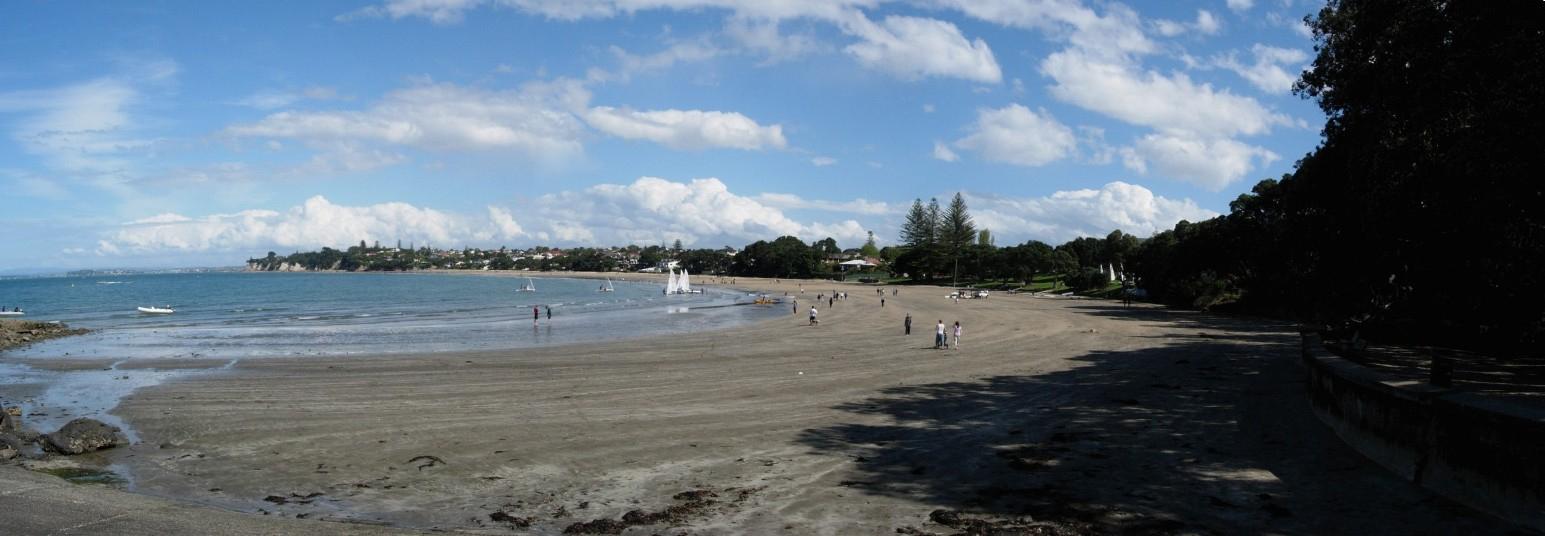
point(649, 210)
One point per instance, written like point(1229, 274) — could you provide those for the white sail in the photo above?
point(670, 284)
point(686, 285)
point(1112, 272)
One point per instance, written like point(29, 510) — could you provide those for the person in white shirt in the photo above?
point(938, 335)
point(956, 342)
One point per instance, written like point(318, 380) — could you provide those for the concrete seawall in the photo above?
point(1485, 453)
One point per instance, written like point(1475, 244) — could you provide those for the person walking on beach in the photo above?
point(938, 335)
point(908, 324)
point(955, 343)
point(813, 321)
point(882, 302)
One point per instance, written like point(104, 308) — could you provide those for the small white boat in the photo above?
point(608, 287)
point(11, 313)
point(156, 310)
point(528, 287)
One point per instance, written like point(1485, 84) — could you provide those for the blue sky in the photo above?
point(202, 133)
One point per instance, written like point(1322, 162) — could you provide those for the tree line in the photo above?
point(1420, 218)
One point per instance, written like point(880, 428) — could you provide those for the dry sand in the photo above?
point(1082, 414)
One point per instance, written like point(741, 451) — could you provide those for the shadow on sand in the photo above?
point(1208, 432)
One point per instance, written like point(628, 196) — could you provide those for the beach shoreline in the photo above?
point(1084, 415)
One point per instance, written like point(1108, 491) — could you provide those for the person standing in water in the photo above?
point(536, 314)
point(549, 312)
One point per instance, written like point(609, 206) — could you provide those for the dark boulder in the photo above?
point(10, 422)
point(10, 446)
point(84, 435)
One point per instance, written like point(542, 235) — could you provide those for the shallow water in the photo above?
point(241, 315)
point(234, 316)
point(64, 396)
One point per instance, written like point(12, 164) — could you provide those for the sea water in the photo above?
point(248, 315)
point(225, 317)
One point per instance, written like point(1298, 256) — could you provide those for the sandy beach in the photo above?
point(1055, 415)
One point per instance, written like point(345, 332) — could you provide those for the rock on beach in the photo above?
point(84, 435)
point(16, 333)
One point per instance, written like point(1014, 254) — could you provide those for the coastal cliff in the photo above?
point(285, 266)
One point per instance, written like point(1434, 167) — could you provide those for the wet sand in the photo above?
point(1081, 414)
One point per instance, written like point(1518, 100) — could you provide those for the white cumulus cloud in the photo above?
point(914, 47)
point(1116, 33)
point(1206, 24)
point(1153, 99)
point(1017, 135)
point(1066, 215)
point(687, 129)
point(941, 151)
point(536, 120)
point(1211, 163)
point(649, 210)
point(1270, 72)
point(313, 224)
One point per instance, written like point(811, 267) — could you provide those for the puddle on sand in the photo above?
point(69, 395)
point(88, 476)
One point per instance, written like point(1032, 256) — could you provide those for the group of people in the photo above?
point(942, 336)
point(945, 337)
point(830, 301)
point(16, 309)
point(942, 340)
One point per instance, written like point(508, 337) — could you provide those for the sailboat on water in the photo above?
point(607, 287)
point(681, 284)
point(528, 287)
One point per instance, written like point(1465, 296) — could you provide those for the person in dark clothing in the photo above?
point(549, 312)
point(908, 323)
